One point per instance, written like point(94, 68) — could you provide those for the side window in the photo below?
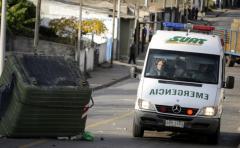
point(150, 65)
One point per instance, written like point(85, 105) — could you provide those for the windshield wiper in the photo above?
point(187, 79)
point(158, 77)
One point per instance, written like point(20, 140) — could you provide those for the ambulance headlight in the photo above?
point(208, 111)
point(143, 104)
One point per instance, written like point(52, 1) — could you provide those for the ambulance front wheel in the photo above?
point(138, 130)
point(214, 138)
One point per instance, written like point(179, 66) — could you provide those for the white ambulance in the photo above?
point(182, 85)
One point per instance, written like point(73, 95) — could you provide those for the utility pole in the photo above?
point(146, 3)
point(220, 4)
point(113, 31)
point(78, 52)
point(184, 4)
point(155, 21)
point(136, 14)
point(136, 25)
point(118, 29)
point(37, 23)
point(224, 3)
point(177, 18)
point(207, 5)
point(177, 3)
point(3, 35)
point(164, 4)
point(202, 5)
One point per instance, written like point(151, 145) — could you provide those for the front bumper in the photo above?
point(156, 121)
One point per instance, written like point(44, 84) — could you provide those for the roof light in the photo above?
point(203, 28)
point(174, 25)
point(188, 26)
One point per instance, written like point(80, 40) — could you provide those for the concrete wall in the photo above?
point(89, 53)
point(126, 37)
point(25, 45)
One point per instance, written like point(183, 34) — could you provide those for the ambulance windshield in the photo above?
point(182, 66)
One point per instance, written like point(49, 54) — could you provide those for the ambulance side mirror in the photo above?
point(230, 82)
point(135, 71)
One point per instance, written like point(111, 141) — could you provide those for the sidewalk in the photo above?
point(103, 77)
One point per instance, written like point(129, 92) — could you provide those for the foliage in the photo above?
point(68, 27)
point(64, 27)
point(45, 31)
point(94, 25)
point(20, 15)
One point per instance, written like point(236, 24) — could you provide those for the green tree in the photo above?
point(20, 15)
point(68, 27)
point(64, 27)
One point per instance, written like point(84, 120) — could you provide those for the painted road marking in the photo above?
point(109, 120)
point(33, 143)
point(100, 123)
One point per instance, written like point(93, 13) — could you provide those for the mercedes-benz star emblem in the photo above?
point(176, 109)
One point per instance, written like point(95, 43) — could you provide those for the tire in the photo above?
point(138, 130)
point(214, 138)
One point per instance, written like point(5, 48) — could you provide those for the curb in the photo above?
point(111, 83)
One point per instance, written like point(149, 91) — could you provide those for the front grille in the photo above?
point(168, 110)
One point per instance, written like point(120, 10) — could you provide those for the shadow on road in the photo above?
point(226, 139)
point(151, 140)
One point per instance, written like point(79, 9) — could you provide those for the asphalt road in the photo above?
point(111, 123)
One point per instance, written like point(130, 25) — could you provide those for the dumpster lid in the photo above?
point(51, 70)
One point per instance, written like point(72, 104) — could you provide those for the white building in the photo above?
point(54, 9)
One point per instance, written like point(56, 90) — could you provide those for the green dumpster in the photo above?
point(42, 96)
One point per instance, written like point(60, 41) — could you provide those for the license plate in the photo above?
point(174, 123)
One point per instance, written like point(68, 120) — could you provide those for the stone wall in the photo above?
point(25, 45)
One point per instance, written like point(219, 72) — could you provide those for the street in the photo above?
point(110, 121)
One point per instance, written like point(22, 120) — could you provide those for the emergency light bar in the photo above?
point(188, 26)
point(203, 28)
point(174, 25)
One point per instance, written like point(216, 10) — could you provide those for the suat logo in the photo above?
point(186, 40)
point(176, 109)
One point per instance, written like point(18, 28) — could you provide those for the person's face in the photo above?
point(160, 65)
